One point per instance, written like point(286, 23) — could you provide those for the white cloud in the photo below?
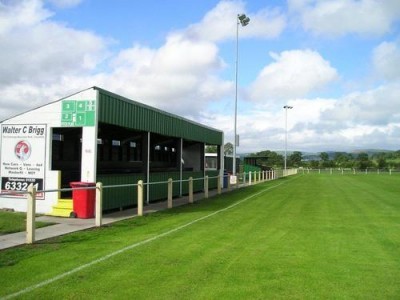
point(358, 120)
point(38, 56)
point(294, 74)
point(37, 50)
point(43, 60)
point(375, 107)
point(21, 15)
point(220, 23)
point(263, 127)
point(341, 17)
point(386, 59)
point(20, 97)
point(265, 24)
point(180, 76)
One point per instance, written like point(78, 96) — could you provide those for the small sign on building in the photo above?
point(78, 113)
point(22, 158)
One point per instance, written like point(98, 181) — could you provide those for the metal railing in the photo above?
point(352, 171)
point(223, 182)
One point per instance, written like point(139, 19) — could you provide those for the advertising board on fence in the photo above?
point(23, 153)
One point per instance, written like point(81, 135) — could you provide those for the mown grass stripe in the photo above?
point(138, 244)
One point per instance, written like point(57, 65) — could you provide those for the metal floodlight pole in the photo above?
point(244, 21)
point(286, 107)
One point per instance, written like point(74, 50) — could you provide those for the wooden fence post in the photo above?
point(206, 187)
point(140, 198)
point(190, 189)
point(99, 204)
point(170, 192)
point(219, 184)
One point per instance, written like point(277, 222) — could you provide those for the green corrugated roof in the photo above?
point(117, 110)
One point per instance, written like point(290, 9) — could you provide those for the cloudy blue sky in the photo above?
point(337, 62)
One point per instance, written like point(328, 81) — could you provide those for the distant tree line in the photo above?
point(296, 159)
point(362, 160)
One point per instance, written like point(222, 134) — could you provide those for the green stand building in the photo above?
point(98, 136)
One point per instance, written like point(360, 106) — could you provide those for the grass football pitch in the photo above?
point(314, 236)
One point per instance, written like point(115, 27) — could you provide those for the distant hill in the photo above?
point(371, 151)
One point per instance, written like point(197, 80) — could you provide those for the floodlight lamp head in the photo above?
point(241, 17)
point(245, 22)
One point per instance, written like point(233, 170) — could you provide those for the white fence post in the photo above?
point(140, 198)
point(30, 215)
point(99, 204)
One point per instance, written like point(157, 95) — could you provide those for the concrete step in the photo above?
point(63, 208)
point(64, 203)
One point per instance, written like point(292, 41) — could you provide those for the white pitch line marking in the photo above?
point(94, 262)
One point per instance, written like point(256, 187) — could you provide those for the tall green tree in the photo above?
point(343, 160)
point(325, 162)
point(295, 159)
point(211, 149)
point(363, 161)
point(324, 156)
point(269, 158)
point(381, 163)
point(228, 149)
point(314, 164)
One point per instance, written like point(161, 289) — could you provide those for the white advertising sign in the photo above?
point(23, 156)
point(233, 179)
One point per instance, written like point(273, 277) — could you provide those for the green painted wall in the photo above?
point(116, 195)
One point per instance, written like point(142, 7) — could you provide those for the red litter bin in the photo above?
point(83, 199)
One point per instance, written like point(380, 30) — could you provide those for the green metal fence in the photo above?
point(120, 190)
